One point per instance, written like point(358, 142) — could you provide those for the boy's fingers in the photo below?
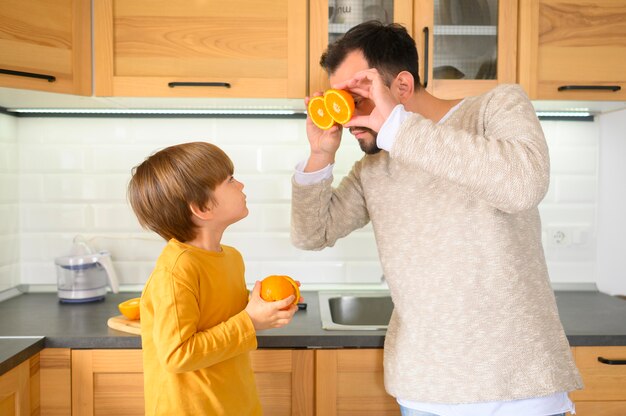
point(282, 304)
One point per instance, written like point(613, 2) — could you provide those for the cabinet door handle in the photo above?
point(426, 33)
point(613, 88)
point(611, 362)
point(48, 78)
point(199, 84)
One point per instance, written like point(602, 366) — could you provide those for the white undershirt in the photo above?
point(539, 406)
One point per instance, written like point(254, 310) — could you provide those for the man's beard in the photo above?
point(368, 145)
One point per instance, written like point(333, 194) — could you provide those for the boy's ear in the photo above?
point(204, 213)
point(404, 85)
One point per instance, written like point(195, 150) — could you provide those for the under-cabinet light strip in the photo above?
point(153, 111)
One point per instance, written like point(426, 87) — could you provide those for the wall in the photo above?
point(74, 173)
point(611, 270)
point(9, 197)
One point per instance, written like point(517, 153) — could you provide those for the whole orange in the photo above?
point(279, 287)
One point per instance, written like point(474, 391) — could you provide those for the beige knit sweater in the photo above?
point(454, 212)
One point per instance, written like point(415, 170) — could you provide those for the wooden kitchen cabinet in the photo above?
point(604, 393)
point(573, 49)
point(46, 45)
point(349, 382)
point(110, 382)
point(19, 389)
point(465, 47)
point(212, 48)
point(55, 382)
point(323, 28)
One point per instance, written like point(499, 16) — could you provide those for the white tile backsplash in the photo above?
point(9, 203)
point(66, 176)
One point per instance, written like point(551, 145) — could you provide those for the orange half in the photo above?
point(339, 104)
point(279, 287)
point(130, 308)
point(318, 113)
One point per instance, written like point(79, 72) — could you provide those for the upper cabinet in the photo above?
point(465, 47)
point(209, 48)
point(46, 45)
point(573, 49)
point(329, 19)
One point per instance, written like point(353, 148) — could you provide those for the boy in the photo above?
point(197, 325)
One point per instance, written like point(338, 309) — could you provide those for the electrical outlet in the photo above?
point(567, 235)
point(559, 238)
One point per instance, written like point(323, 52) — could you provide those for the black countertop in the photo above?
point(589, 319)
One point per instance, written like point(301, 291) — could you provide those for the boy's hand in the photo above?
point(265, 315)
point(323, 143)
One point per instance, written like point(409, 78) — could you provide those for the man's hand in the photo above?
point(323, 143)
point(370, 84)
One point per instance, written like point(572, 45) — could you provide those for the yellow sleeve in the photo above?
point(180, 346)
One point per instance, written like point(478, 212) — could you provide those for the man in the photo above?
point(451, 188)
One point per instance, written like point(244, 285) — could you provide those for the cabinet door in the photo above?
point(284, 380)
point(15, 391)
point(212, 48)
point(110, 382)
point(107, 382)
point(46, 45)
point(350, 383)
point(465, 47)
point(55, 382)
point(329, 19)
point(573, 49)
point(603, 370)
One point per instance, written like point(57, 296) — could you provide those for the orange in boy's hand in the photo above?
point(339, 104)
point(277, 287)
point(130, 308)
point(319, 114)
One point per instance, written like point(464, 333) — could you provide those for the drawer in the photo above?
point(601, 408)
point(603, 381)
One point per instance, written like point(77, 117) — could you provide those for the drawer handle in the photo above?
point(199, 84)
point(611, 362)
point(613, 88)
point(48, 78)
point(426, 40)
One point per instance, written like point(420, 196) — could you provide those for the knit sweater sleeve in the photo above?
point(499, 155)
point(320, 214)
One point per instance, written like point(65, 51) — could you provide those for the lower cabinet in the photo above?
point(603, 370)
point(19, 389)
point(110, 382)
point(344, 382)
point(350, 382)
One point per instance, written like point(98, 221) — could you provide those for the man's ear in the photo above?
point(404, 85)
point(202, 213)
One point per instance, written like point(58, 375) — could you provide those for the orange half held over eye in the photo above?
point(318, 113)
point(277, 287)
point(339, 104)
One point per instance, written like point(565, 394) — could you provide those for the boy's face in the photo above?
point(354, 62)
point(230, 200)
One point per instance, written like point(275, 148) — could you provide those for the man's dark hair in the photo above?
point(388, 48)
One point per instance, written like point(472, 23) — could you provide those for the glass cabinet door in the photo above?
point(466, 47)
point(330, 19)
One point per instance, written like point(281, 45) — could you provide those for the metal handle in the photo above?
point(426, 33)
point(613, 88)
point(48, 78)
point(611, 362)
point(199, 84)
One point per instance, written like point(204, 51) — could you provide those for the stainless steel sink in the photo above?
point(355, 311)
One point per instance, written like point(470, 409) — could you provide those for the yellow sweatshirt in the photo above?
point(196, 336)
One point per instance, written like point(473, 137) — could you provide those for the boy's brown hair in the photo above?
point(166, 183)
